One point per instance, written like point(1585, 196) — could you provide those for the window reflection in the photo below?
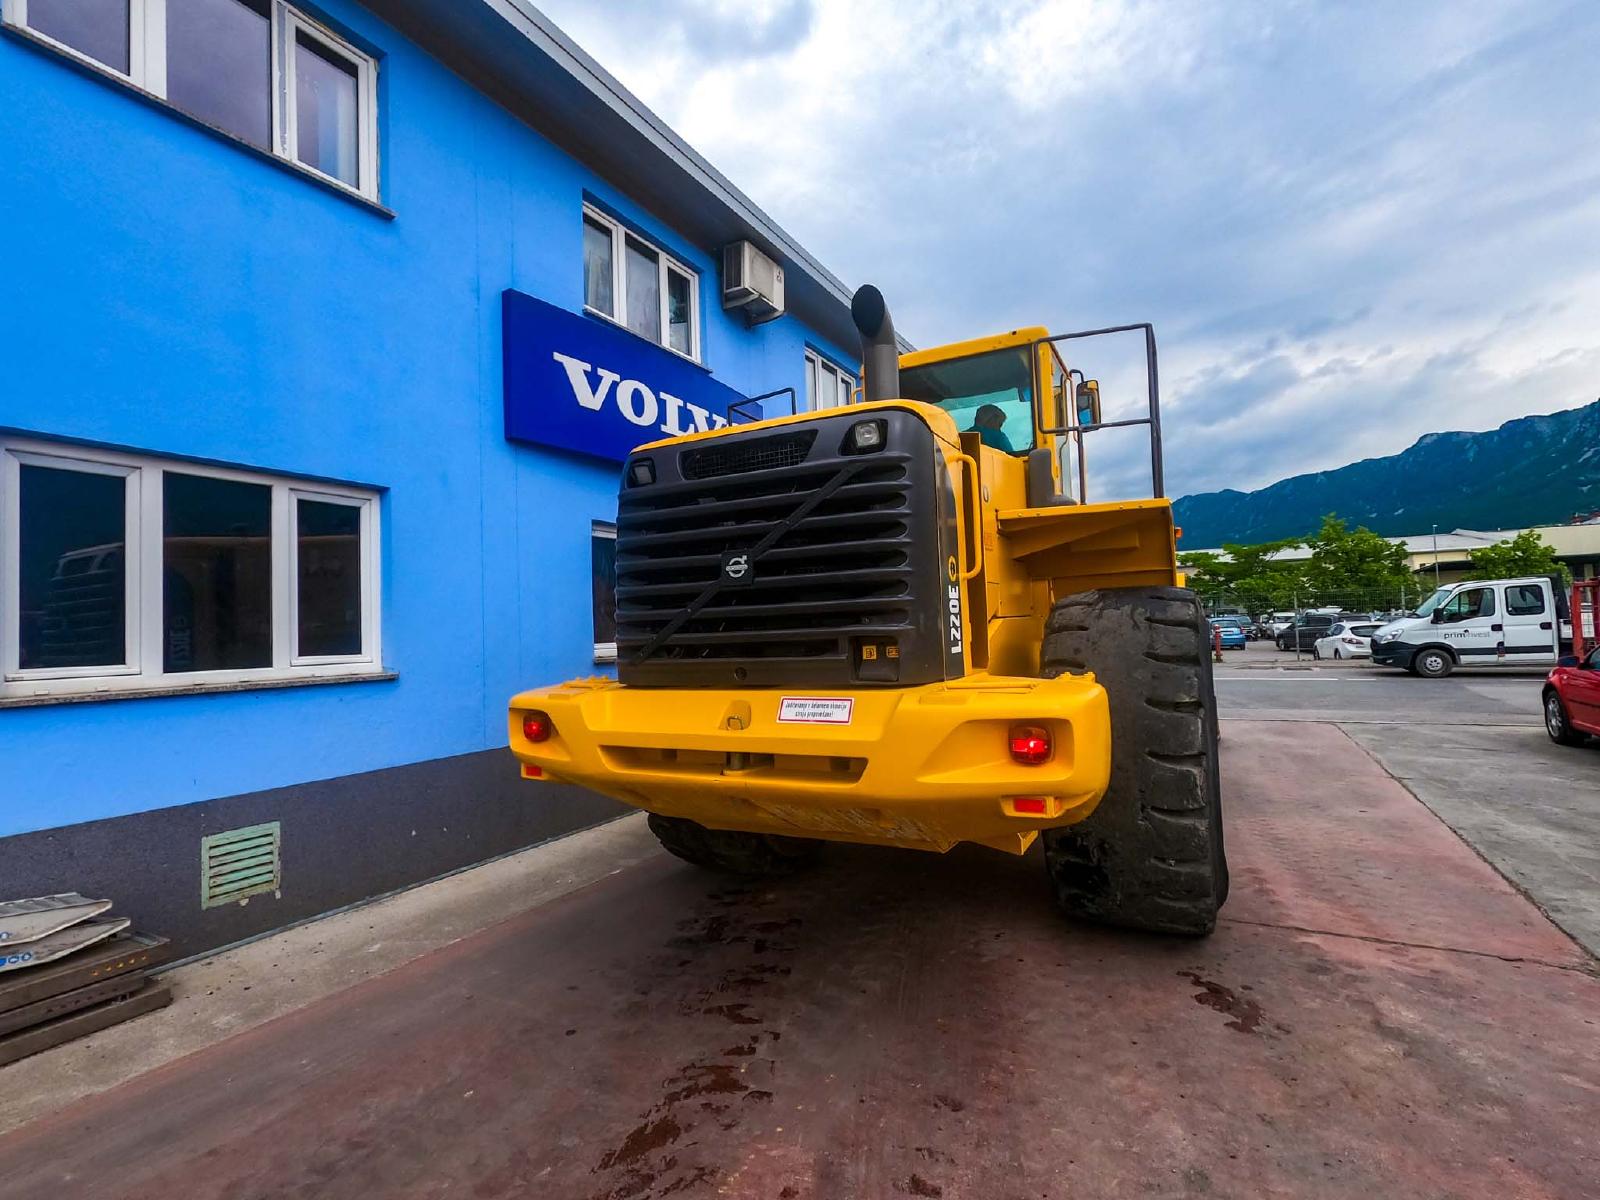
point(325, 110)
point(597, 267)
point(644, 291)
point(329, 578)
point(73, 569)
point(219, 64)
point(603, 561)
point(217, 574)
point(678, 311)
point(97, 28)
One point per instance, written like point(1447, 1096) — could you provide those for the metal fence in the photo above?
point(1365, 601)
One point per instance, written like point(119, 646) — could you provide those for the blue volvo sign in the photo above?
point(581, 384)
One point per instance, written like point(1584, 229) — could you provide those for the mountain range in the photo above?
point(1530, 471)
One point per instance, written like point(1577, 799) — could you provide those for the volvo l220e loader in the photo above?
point(902, 622)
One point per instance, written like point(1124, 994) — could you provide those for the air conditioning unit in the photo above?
point(751, 281)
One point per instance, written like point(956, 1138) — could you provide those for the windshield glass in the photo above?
point(988, 394)
point(1431, 603)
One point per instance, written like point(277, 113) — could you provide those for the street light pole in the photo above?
point(1436, 558)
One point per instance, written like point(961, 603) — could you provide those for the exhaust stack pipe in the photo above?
point(880, 353)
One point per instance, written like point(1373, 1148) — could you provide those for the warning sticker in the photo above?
point(815, 710)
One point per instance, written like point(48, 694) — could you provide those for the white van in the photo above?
point(1479, 623)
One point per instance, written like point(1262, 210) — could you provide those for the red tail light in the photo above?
point(536, 727)
point(1030, 745)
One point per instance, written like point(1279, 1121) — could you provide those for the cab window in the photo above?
point(1524, 600)
point(1474, 602)
point(987, 394)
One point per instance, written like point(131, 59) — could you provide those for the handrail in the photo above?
point(1075, 430)
point(738, 405)
point(975, 505)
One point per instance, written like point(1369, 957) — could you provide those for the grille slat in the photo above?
point(747, 534)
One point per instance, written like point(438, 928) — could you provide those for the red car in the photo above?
point(1572, 699)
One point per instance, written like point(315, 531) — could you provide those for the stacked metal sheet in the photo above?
point(66, 970)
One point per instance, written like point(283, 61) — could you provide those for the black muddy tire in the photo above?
point(730, 852)
point(1151, 856)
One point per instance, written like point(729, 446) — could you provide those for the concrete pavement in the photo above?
point(1379, 1014)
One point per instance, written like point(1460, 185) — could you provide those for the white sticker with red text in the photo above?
point(816, 710)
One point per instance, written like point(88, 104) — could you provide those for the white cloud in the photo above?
point(1371, 219)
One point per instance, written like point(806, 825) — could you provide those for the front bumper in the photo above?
point(925, 767)
point(1392, 654)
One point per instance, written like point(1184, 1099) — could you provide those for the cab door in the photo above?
point(1469, 623)
point(1529, 622)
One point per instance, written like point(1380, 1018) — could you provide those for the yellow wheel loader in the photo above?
point(901, 622)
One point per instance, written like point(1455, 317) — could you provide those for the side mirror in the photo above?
point(1438, 616)
point(1089, 402)
point(1569, 660)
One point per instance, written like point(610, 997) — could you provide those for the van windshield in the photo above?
point(1432, 602)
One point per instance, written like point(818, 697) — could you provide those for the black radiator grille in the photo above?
point(852, 560)
point(756, 454)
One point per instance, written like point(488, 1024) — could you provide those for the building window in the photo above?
point(603, 560)
point(258, 70)
point(120, 572)
point(827, 385)
point(640, 286)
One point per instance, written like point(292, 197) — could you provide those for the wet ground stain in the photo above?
point(1246, 1014)
point(710, 1092)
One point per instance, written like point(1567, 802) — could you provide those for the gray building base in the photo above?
point(343, 840)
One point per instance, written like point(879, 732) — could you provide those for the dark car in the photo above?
point(1307, 628)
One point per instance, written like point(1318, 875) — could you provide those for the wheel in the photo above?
point(1556, 723)
point(1315, 653)
point(731, 852)
point(1151, 855)
point(1433, 663)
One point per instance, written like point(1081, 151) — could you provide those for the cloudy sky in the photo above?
point(1351, 223)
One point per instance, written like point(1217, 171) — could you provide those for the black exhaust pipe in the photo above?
point(880, 353)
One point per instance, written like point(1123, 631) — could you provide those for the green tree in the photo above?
point(1357, 566)
point(1525, 554)
point(1246, 576)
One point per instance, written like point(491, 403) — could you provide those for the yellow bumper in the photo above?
point(922, 767)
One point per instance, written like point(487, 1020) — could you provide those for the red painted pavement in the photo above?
point(900, 1024)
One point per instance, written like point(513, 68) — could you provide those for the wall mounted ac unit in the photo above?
point(751, 281)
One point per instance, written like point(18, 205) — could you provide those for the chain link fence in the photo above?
point(1367, 602)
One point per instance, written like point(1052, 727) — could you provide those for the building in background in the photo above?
point(326, 327)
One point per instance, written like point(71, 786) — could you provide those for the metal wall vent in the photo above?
point(239, 864)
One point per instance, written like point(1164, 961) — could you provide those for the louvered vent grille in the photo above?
point(239, 864)
point(757, 454)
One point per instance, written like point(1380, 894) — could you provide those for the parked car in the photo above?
point(1277, 622)
point(1232, 630)
point(1346, 639)
point(1572, 699)
point(1305, 631)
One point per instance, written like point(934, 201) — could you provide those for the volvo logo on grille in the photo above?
point(737, 568)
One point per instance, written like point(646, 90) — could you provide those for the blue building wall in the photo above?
point(166, 291)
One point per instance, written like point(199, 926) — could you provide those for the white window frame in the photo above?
point(369, 577)
point(147, 70)
point(665, 261)
point(604, 652)
point(143, 554)
point(12, 460)
point(288, 24)
point(840, 383)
